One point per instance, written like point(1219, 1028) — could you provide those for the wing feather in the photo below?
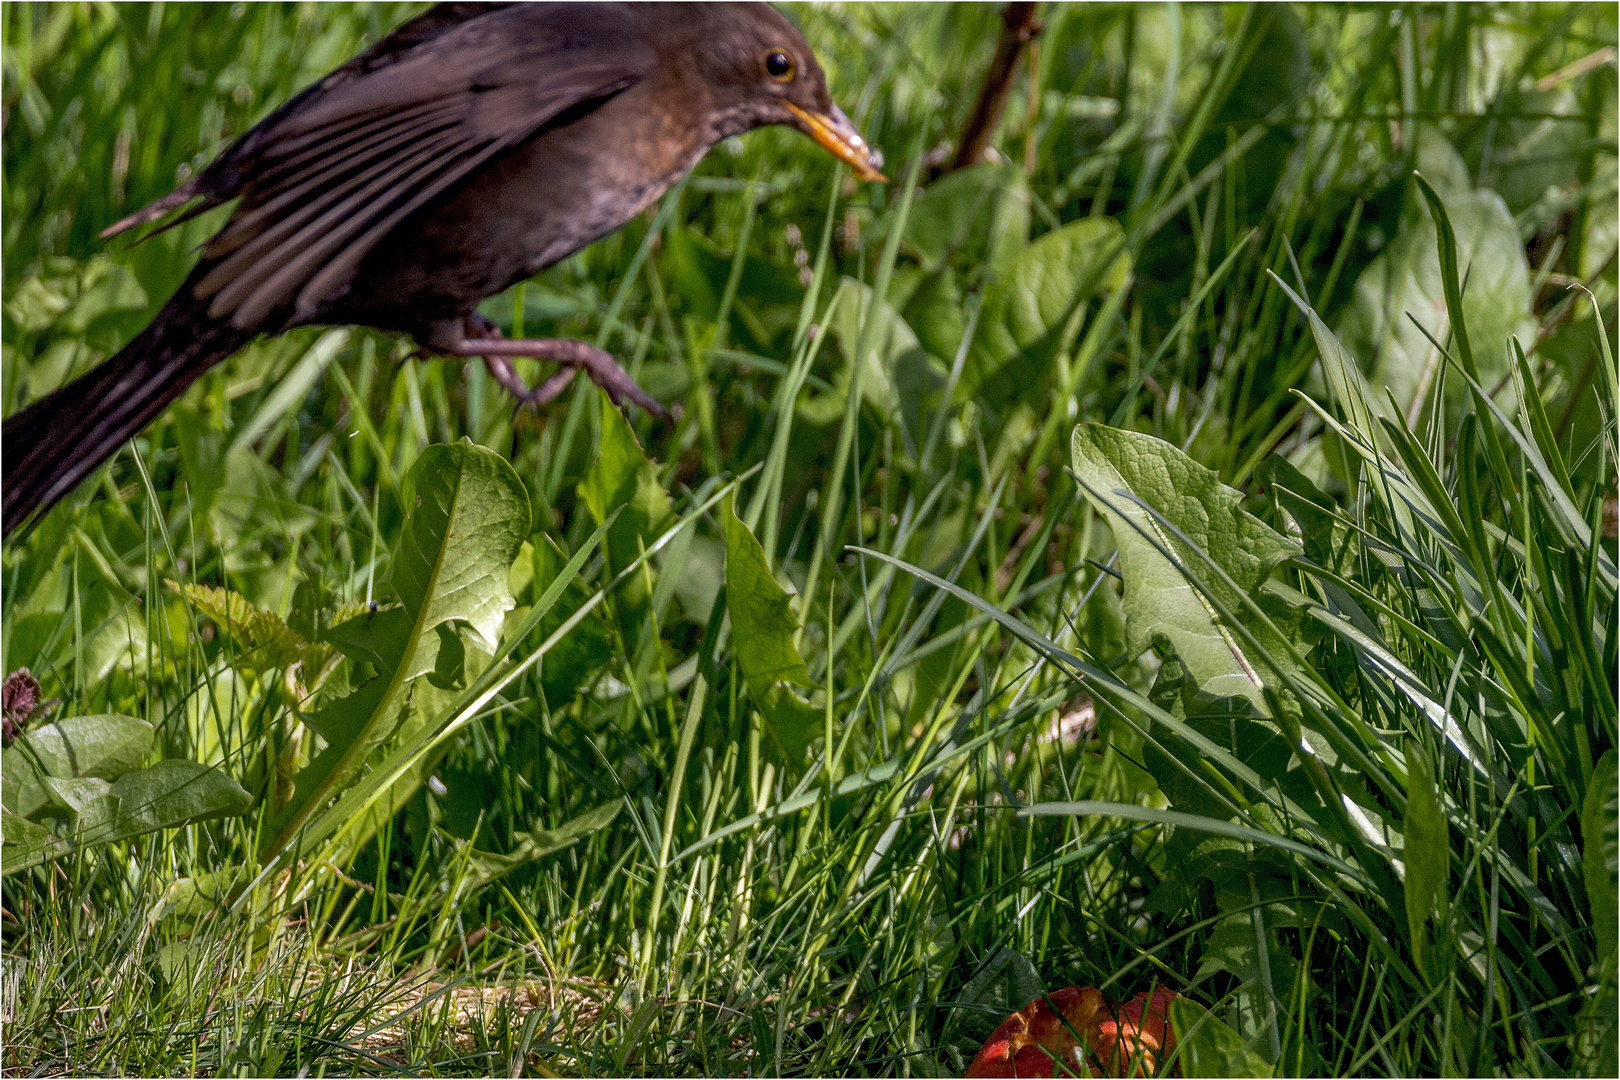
point(340, 171)
point(334, 176)
point(318, 226)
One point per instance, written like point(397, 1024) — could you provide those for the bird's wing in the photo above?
point(224, 178)
point(331, 177)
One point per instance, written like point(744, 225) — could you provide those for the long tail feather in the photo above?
point(53, 444)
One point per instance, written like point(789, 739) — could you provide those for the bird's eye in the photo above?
point(779, 66)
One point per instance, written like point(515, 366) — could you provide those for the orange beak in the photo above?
point(838, 135)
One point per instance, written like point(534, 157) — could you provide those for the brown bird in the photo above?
point(470, 149)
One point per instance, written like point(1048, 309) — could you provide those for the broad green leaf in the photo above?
point(200, 894)
point(1207, 1047)
point(1405, 280)
point(1307, 504)
point(1033, 309)
point(71, 303)
point(1534, 147)
point(427, 700)
point(173, 793)
point(1440, 163)
point(762, 620)
point(343, 721)
point(440, 714)
point(1234, 946)
point(469, 516)
point(1600, 852)
point(573, 660)
point(185, 963)
point(114, 633)
point(24, 843)
point(450, 664)
point(246, 493)
point(374, 637)
point(768, 293)
point(1158, 597)
point(1022, 978)
point(104, 746)
point(486, 866)
point(980, 212)
point(1428, 851)
point(82, 798)
point(263, 641)
point(762, 629)
point(934, 309)
point(1347, 386)
point(892, 341)
point(165, 796)
point(1229, 723)
point(621, 476)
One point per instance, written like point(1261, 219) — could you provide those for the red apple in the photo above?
point(1115, 1039)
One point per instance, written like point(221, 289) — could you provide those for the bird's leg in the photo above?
point(574, 356)
point(504, 373)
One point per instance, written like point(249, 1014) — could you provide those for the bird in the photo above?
point(464, 152)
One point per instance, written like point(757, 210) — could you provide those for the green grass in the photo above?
point(1007, 784)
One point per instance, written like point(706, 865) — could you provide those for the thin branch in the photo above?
point(1018, 29)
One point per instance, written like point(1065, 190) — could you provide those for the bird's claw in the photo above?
point(501, 370)
point(574, 356)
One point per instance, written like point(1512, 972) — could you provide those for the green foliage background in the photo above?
point(853, 841)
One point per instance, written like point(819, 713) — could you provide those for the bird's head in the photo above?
point(762, 71)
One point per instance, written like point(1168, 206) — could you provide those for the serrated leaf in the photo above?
point(1307, 504)
point(1228, 723)
point(470, 515)
point(264, 643)
point(450, 664)
point(468, 519)
point(762, 619)
point(762, 630)
point(486, 866)
point(376, 637)
point(1158, 597)
point(1026, 983)
point(346, 824)
point(1234, 946)
point(621, 476)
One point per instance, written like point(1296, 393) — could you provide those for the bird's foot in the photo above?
point(506, 375)
point(574, 356)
